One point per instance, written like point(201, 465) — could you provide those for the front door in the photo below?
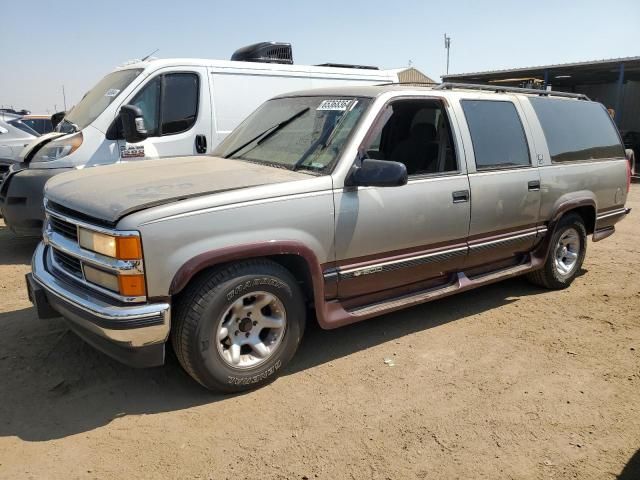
point(394, 240)
point(177, 114)
point(504, 181)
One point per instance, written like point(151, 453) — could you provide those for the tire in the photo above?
point(257, 302)
point(556, 274)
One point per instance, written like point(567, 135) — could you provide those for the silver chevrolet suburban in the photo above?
point(346, 203)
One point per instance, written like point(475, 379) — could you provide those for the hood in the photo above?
point(110, 192)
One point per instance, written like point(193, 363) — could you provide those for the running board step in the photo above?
point(461, 284)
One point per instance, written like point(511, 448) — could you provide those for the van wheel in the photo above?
point(236, 327)
point(567, 249)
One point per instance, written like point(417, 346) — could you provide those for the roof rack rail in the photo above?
point(498, 89)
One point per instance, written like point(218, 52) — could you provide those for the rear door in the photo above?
point(503, 178)
point(177, 112)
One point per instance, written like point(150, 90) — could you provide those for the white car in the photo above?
point(13, 138)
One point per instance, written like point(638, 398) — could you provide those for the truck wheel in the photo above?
point(567, 249)
point(236, 327)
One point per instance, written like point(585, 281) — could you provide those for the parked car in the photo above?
point(39, 123)
point(351, 202)
point(188, 105)
point(13, 138)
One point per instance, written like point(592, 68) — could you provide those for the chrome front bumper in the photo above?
point(126, 326)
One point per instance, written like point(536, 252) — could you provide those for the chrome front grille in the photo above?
point(63, 227)
point(69, 259)
point(68, 263)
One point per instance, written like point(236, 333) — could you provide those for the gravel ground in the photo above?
point(508, 381)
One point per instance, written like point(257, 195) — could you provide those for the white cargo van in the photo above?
point(188, 107)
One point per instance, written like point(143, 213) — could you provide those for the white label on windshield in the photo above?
point(339, 105)
point(112, 92)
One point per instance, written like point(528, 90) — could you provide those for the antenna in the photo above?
point(145, 58)
point(447, 46)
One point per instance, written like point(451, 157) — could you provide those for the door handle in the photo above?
point(534, 185)
point(460, 196)
point(201, 144)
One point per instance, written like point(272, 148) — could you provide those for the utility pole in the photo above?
point(447, 46)
point(64, 98)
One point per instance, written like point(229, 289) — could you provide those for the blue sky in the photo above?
point(47, 44)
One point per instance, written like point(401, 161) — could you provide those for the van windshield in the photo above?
point(97, 99)
point(295, 132)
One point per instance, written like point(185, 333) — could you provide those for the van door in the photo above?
point(176, 107)
point(504, 181)
point(395, 240)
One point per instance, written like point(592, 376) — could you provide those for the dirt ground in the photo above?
point(508, 381)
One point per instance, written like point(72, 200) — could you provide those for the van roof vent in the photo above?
point(265, 52)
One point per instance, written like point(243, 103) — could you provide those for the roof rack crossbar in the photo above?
point(498, 89)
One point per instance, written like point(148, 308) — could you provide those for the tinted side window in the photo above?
point(179, 102)
point(46, 125)
point(577, 130)
point(497, 134)
point(32, 123)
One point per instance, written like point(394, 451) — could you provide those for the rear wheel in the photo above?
point(568, 247)
point(237, 327)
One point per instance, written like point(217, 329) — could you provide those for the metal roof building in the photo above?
point(614, 82)
point(412, 75)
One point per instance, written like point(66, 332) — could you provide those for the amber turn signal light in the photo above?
point(128, 248)
point(131, 285)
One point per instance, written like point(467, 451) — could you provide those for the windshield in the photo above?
point(97, 99)
point(295, 132)
point(19, 124)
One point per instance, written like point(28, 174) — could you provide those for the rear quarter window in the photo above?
point(497, 134)
point(577, 130)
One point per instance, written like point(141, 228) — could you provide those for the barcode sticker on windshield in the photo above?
point(112, 92)
point(340, 105)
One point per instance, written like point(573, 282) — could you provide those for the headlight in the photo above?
point(101, 278)
point(125, 285)
point(122, 248)
point(60, 148)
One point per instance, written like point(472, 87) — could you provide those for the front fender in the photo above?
point(245, 252)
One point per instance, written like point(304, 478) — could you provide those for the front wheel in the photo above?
point(237, 327)
point(567, 250)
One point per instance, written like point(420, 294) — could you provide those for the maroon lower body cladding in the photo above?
point(352, 290)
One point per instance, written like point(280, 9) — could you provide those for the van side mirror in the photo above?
point(56, 118)
point(378, 173)
point(133, 126)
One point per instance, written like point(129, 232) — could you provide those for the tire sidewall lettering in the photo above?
point(233, 380)
point(243, 287)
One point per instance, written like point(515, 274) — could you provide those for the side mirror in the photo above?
point(379, 173)
point(133, 124)
point(56, 118)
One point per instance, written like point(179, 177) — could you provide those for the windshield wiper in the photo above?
point(268, 132)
